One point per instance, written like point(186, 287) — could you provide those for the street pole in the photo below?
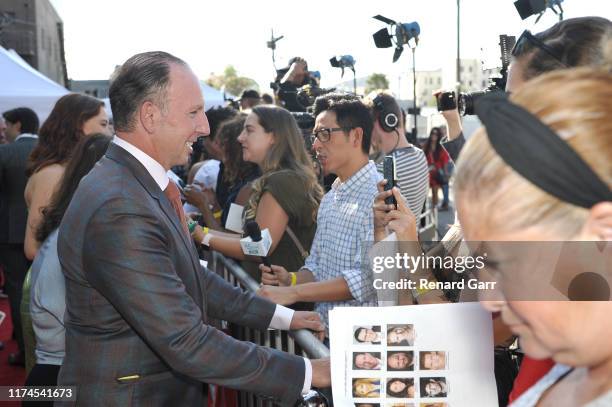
point(414, 81)
point(458, 47)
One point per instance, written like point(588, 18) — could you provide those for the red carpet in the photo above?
point(9, 375)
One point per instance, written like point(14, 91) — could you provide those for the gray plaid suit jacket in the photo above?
point(137, 302)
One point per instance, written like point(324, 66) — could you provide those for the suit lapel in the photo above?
point(121, 156)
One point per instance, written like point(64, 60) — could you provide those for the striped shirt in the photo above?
point(412, 176)
point(345, 224)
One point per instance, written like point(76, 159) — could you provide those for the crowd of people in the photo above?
point(101, 235)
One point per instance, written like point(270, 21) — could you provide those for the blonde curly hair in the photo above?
point(577, 105)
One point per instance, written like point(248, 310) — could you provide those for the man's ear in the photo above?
point(148, 116)
point(599, 223)
point(356, 136)
point(18, 127)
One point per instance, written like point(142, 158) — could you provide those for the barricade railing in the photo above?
point(299, 342)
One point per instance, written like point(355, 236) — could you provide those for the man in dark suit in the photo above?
point(20, 132)
point(137, 297)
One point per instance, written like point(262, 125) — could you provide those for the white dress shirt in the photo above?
point(282, 315)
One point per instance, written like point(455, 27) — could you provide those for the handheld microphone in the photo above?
point(256, 243)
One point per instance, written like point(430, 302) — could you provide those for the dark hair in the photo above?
point(24, 115)
point(438, 148)
point(62, 130)
point(143, 77)
point(409, 356)
point(575, 42)
point(217, 116)
point(235, 168)
point(350, 112)
point(390, 106)
point(267, 99)
point(86, 154)
point(357, 331)
point(399, 394)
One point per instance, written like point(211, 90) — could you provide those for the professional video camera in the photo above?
point(297, 95)
point(466, 101)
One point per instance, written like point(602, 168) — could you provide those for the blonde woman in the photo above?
point(285, 199)
point(366, 388)
point(541, 171)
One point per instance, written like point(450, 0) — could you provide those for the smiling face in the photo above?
point(398, 360)
point(255, 140)
point(97, 124)
point(433, 389)
point(366, 361)
point(400, 335)
point(368, 335)
point(397, 386)
point(182, 119)
point(433, 360)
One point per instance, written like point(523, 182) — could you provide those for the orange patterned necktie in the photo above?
point(174, 196)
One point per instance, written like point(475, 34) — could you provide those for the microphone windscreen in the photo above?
point(253, 231)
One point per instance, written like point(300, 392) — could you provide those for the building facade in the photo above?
point(36, 32)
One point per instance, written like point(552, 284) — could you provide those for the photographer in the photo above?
point(570, 43)
point(289, 80)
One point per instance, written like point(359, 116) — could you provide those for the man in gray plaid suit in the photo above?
point(137, 298)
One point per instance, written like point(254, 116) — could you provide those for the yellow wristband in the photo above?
point(205, 230)
point(293, 278)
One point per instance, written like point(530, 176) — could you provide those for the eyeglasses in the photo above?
point(519, 46)
point(324, 134)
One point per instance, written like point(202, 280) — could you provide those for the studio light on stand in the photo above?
point(345, 61)
point(528, 8)
point(400, 34)
point(272, 45)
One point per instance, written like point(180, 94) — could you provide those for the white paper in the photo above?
point(461, 335)
point(234, 218)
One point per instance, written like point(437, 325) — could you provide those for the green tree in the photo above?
point(233, 83)
point(376, 81)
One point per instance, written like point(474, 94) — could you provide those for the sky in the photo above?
point(210, 35)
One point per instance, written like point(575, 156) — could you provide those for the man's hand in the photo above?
point(321, 373)
point(277, 275)
point(380, 207)
point(401, 220)
point(308, 320)
point(452, 118)
point(279, 295)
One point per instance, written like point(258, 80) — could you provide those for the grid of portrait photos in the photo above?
point(390, 368)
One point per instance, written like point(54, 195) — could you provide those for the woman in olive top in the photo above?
point(285, 199)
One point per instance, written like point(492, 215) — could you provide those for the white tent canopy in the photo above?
point(23, 86)
point(212, 96)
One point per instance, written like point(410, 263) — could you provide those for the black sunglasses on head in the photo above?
point(527, 36)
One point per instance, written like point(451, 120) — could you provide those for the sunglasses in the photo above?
point(528, 37)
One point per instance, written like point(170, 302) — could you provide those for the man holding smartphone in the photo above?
point(388, 137)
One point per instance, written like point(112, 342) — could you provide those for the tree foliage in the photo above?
point(376, 81)
point(233, 83)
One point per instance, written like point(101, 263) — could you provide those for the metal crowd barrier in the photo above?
point(428, 224)
point(301, 342)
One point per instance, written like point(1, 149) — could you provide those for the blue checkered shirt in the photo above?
point(345, 224)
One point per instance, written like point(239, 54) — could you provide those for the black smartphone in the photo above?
point(389, 175)
point(446, 101)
